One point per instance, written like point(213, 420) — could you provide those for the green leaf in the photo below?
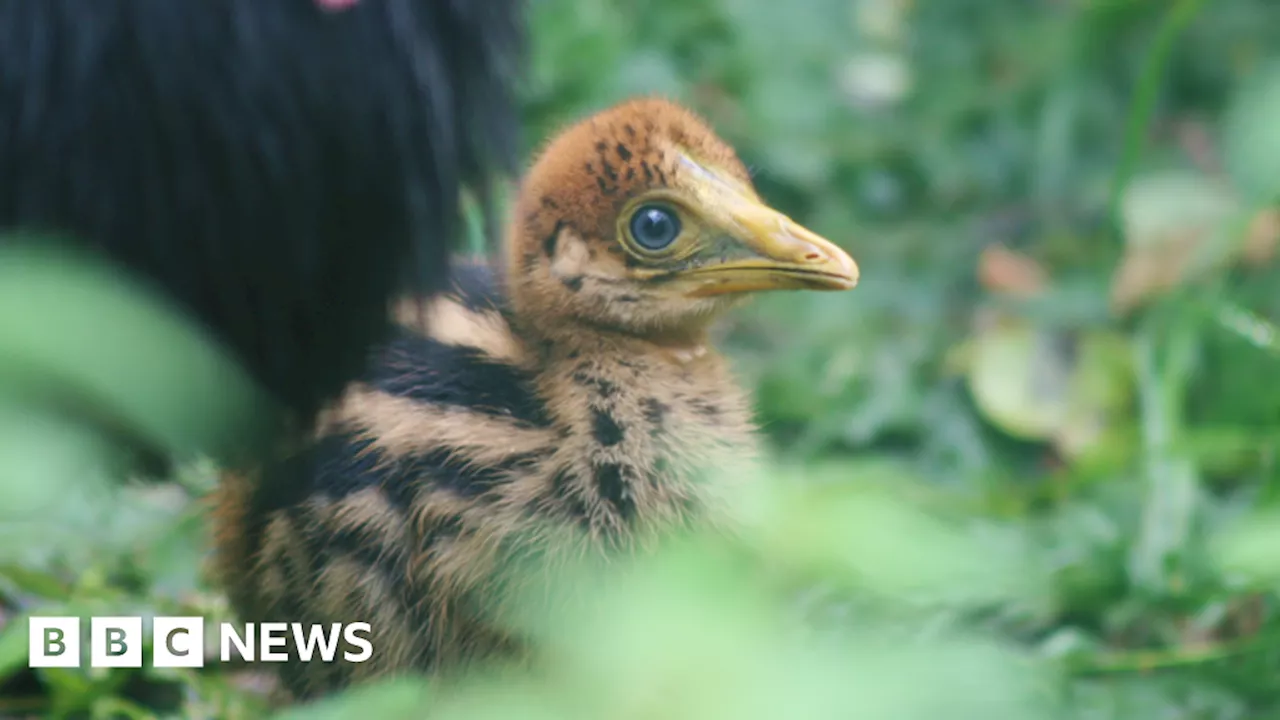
point(1019, 379)
point(34, 581)
point(74, 328)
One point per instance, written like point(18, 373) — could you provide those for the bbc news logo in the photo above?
point(179, 642)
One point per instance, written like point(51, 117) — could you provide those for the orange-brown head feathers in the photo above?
point(642, 220)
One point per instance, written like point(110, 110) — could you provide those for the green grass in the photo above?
point(986, 504)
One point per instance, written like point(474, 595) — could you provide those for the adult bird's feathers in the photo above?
point(278, 170)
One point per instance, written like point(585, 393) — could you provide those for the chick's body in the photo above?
point(576, 393)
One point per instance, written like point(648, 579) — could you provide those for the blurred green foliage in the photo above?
point(1028, 468)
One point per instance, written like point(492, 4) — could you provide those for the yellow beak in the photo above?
point(775, 253)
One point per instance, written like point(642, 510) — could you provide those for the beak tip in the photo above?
point(853, 273)
point(829, 257)
point(843, 267)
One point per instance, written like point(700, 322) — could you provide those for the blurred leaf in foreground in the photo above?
point(76, 332)
point(682, 637)
point(699, 629)
point(47, 459)
point(854, 522)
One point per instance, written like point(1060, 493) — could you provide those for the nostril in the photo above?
point(813, 256)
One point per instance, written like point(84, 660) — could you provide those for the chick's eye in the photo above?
point(654, 227)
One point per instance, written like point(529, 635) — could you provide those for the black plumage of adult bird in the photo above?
point(277, 170)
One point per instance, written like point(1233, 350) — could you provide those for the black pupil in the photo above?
point(654, 227)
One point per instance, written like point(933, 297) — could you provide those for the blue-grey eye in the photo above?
point(654, 227)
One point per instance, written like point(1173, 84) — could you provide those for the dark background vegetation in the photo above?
point(1043, 430)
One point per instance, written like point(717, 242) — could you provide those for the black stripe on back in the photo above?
point(429, 371)
point(344, 465)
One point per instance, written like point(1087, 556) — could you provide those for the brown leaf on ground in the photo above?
point(1151, 270)
point(1005, 272)
point(1178, 226)
point(1148, 271)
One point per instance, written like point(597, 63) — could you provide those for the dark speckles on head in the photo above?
point(604, 388)
point(601, 146)
point(623, 152)
point(606, 430)
point(605, 188)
